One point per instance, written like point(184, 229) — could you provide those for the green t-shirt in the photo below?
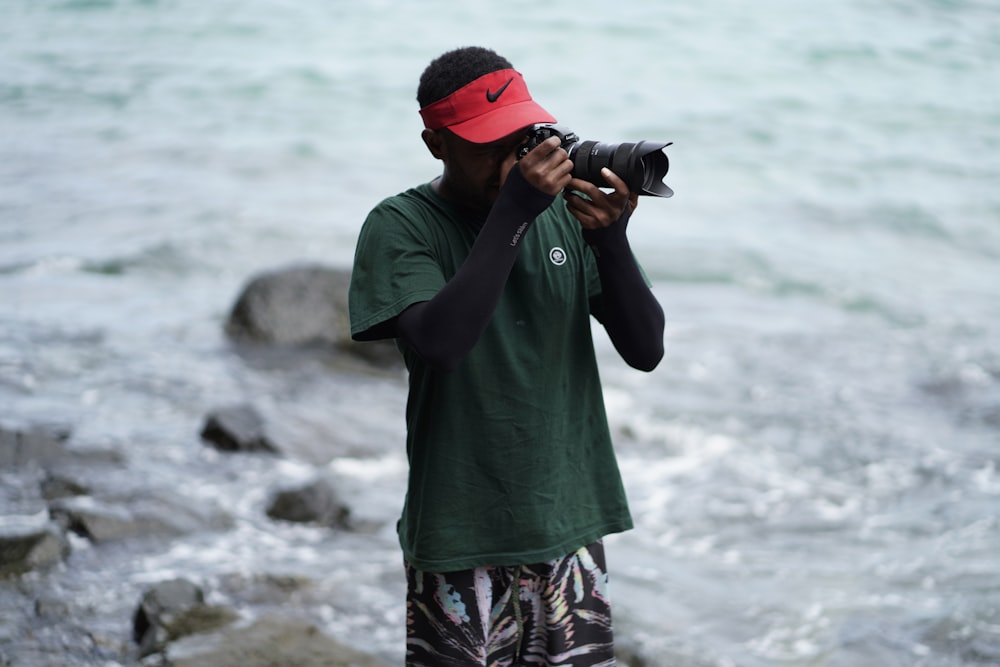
point(510, 455)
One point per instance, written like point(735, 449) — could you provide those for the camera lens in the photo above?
point(641, 165)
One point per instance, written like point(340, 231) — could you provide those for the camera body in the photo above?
point(641, 165)
point(542, 131)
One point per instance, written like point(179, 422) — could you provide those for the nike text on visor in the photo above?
point(488, 109)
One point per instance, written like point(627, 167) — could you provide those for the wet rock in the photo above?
point(293, 306)
point(52, 607)
point(238, 428)
point(301, 306)
point(315, 502)
point(47, 448)
point(30, 545)
point(28, 538)
point(640, 650)
point(38, 444)
point(268, 641)
point(628, 654)
point(171, 610)
point(256, 589)
point(41, 626)
point(59, 644)
point(57, 485)
point(96, 520)
point(112, 519)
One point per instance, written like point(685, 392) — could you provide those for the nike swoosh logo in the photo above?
point(493, 97)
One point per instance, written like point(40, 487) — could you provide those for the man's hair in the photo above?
point(454, 69)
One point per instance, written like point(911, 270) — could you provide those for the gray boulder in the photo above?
point(60, 485)
point(28, 537)
point(47, 447)
point(315, 502)
point(136, 516)
point(293, 306)
point(96, 520)
point(30, 544)
point(237, 428)
point(302, 306)
point(36, 467)
point(268, 641)
point(36, 445)
point(171, 610)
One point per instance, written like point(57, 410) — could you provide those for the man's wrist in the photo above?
point(608, 238)
point(529, 200)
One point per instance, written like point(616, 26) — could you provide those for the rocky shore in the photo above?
point(58, 498)
point(63, 503)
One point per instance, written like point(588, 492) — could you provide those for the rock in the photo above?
point(257, 589)
point(28, 538)
point(20, 496)
point(316, 502)
point(171, 610)
point(62, 643)
point(39, 444)
point(661, 651)
point(268, 641)
point(111, 519)
point(629, 654)
point(293, 306)
point(45, 447)
point(302, 306)
point(52, 607)
point(30, 545)
point(95, 520)
point(238, 428)
point(58, 485)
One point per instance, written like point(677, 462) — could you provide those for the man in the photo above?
point(487, 277)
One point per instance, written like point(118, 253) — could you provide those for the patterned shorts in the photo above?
point(554, 613)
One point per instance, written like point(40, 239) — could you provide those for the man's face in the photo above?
point(473, 173)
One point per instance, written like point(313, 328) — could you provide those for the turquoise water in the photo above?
point(814, 467)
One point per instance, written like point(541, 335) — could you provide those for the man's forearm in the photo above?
point(628, 309)
point(444, 329)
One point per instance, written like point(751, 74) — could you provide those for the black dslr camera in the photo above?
point(642, 166)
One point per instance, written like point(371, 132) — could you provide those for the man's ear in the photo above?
point(434, 142)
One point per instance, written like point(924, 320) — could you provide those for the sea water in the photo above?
point(813, 468)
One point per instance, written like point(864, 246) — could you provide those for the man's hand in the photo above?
point(598, 209)
point(547, 167)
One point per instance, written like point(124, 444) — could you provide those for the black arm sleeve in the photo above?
point(443, 330)
point(626, 307)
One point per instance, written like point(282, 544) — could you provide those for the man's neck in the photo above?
point(474, 216)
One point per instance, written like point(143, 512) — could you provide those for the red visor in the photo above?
point(490, 108)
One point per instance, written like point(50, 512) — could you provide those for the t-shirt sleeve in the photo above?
point(394, 268)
